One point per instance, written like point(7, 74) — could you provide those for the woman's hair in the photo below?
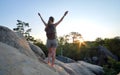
point(50, 19)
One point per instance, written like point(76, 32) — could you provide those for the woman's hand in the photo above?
point(65, 13)
point(39, 14)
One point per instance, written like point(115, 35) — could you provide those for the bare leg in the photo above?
point(49, 55)
point(53, 56)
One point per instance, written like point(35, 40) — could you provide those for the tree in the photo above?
point(75, 36)
point(70, 49)
point(113, 45)
point(21, 28)
point(66, 38)
point(99, 41)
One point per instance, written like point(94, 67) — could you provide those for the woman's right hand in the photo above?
point(39, 14)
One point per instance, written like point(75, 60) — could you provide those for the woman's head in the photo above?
point(51, 20)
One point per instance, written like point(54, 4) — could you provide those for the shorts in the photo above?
point(52, 43)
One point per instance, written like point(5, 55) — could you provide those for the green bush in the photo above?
point(112, 68)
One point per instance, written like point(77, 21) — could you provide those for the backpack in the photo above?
point(50, 32)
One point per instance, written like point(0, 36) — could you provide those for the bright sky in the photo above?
point(91, 18)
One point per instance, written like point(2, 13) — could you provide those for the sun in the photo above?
point(81, 42)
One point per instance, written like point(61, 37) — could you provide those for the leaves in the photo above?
point(21, 28)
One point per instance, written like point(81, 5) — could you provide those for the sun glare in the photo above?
point(81, 42)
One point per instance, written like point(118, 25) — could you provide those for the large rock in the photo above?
point(78, 68)
point(9, 37)
point(97, 70)
point(37, 50)
point(106, 52)
point(13, 62)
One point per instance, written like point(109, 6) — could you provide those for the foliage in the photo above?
point(21, 28)
point(84, 52)
point(112, 44)
point(71, 50)
point(89, 49)
point(112, 68)
point(75, 36)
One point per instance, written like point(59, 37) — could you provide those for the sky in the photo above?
point(90, 18)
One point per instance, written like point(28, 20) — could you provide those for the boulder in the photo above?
point(9, 37)
point(97, 70)
point(13, 62)
point(78, 68)
point(107, 52)
point(104, 54)
point(37, 50)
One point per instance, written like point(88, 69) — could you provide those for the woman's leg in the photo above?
point(53, 56)
point(49, 54)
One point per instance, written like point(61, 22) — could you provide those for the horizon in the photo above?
point(90, 18)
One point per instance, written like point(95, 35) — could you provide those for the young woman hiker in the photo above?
point(52, 43)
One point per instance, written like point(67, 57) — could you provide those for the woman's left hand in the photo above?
point(66, 13)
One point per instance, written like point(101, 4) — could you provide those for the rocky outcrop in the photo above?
point(80, 68)
point(17, 57)
point(104, 55)
point(106, 52)
point(37, 50)
point(97, 70)
point(9, 37)
point(13, 62)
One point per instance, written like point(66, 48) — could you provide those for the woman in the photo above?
point(51, 38)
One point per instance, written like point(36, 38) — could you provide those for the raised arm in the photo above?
point(61, 18)
point(42, 19)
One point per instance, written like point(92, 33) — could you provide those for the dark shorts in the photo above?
point(52, 43)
